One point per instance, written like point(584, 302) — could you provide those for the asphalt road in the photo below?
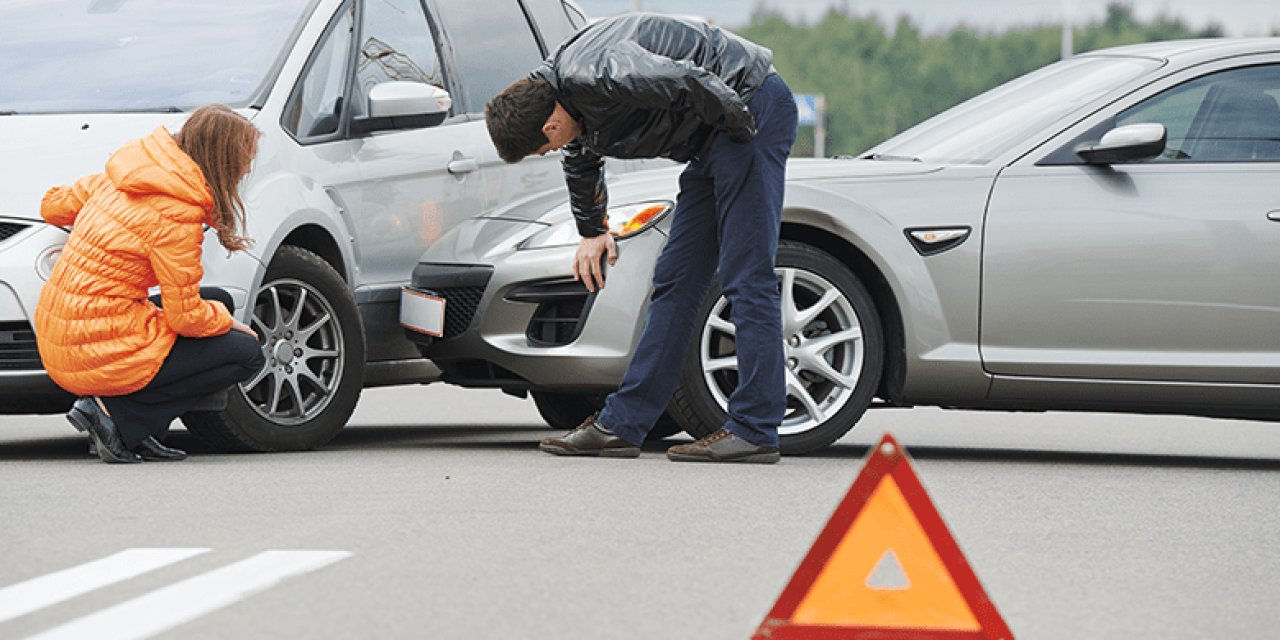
point(433, 516)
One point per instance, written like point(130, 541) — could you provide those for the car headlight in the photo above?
point(624, 221)
point(46, 260)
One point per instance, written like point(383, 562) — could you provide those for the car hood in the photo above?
point(47, 150)
point(851, 168)
point(551, 207)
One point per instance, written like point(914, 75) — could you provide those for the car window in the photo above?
point(994, 122)
point(555, 20)
point(396, 43)
point(493, 46)
point(314, 109)
point(1229, 116)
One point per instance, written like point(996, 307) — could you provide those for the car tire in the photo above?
point(564, 411)
point(823, 403)
point(310, 385)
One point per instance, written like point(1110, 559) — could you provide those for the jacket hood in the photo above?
point(156, 165)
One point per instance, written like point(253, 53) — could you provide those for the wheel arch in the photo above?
point(887, 306)
point(319, 241)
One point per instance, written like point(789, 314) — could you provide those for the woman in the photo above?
point(137, 365)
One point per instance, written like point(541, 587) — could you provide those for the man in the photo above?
point(643, 86)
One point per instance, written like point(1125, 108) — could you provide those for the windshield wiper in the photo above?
point(890, 158)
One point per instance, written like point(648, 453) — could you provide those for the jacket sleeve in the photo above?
point(175, 258)
point(588, 195)
point(61, 205)
point(631, 73)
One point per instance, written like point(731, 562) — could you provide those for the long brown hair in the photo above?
point(222, 143)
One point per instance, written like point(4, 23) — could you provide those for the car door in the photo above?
point(492, 46)
point(412, 184)
point(1163, 270)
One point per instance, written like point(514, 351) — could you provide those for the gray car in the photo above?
point(1100, 234)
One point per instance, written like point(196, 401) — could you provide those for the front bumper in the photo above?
point(522, 322)
point(24, 386)
point(462, 287)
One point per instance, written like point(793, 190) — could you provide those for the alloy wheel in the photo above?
point(302, 342)
point(822, 343)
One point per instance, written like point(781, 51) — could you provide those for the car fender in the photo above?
point(936, 296)
point(274, 209)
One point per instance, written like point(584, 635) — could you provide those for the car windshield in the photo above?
point(986, 126)
point(62, 56)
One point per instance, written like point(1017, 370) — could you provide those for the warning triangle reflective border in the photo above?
point(885, 566)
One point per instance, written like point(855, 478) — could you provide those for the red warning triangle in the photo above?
point(884, 567)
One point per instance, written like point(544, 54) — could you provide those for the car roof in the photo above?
point(1186, 52)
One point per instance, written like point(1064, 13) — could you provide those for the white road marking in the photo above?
point(47, 590)
point(171, 606)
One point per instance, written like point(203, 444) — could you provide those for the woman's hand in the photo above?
point(236, 325)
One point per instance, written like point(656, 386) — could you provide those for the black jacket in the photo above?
point(648, 86)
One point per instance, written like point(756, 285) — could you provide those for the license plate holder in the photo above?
point(422, 312)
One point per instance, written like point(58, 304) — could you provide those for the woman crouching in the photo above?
point(137, 365)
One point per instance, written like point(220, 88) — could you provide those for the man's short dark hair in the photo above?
point(515, 118)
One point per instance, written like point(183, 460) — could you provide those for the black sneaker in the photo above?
point(723, 446)
point(590, 439)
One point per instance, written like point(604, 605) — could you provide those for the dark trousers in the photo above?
point(727, 218)
point(195, 367)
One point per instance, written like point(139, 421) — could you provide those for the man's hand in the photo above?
point(586, 264)
point(743, 127)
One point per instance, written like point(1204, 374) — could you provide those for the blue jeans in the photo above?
point(727, 218)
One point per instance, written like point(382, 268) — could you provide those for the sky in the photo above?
point(1237, 17)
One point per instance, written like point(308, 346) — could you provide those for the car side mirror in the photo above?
point(1130, 143)
point(403, 105)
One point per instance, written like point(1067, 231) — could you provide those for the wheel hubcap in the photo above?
point(302, 342)
point(822, 345)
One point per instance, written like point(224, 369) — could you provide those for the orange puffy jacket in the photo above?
point(138, 225)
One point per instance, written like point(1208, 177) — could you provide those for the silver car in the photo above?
point(373, 146)
point(1101, 234)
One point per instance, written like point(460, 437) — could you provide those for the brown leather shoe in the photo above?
point(589, 439)
point(723, 446)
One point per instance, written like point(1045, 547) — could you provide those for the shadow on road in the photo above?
point(525, 438)
point(516, 438)
point(1023, 455)
point(67, 447)
point(503, 437)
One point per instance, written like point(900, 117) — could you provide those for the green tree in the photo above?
point(879, 81)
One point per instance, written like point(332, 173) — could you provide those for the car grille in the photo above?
point(10, 229)
point(18, 347)
point(461, 285)
point(460, 308)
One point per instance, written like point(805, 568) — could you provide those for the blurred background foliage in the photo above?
point(879, 81)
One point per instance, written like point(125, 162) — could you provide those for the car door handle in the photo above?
point(1274, 216)
point(463, 165)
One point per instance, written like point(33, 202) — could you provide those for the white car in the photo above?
point(373, 146)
